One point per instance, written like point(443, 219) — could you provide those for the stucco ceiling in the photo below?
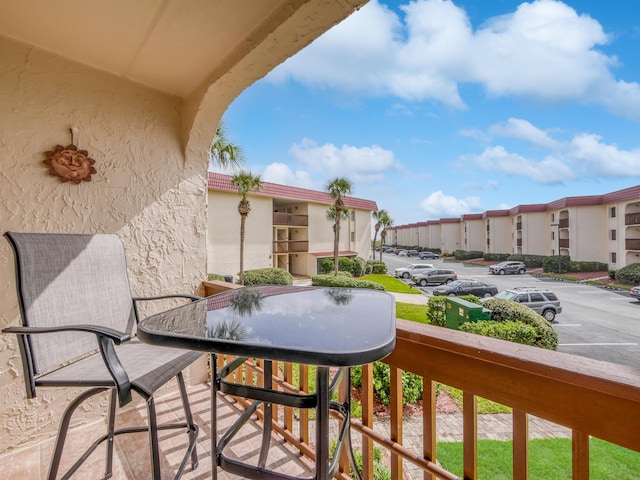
point(174, 46)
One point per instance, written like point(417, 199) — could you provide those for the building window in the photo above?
point(613, 234)
point(613, 257)
point(613, 212)
point(353, 215)
point(553, 235)
point(353, 236)
point(553, 217)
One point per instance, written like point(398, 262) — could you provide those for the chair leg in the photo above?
point(111, 433)
point(153, 439)
point(62, 435)
point(193, 428)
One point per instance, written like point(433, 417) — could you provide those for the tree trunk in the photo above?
point(336, 240)
point(243, 219)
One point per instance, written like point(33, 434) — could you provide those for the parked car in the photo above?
point(423, 255)
point(466, 287)
point(436, 276)
point(413, 269)
point(402, 253)
point(543, 301)
point(412, 253)
point(388, 249)
point(508, 267)
point(397, 250)
point(635, 292)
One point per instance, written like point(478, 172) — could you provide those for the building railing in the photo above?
point(564, 242)
point(519, 226)
point(290, 246)
point(632, 219)
point(632, 243)
point(564, 223)
point(590, 397)
point(290, 219)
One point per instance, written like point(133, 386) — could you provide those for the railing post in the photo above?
point(470, 435)
point(520, 445)
point(367, 420)
point(429, 438)
point(396, 418)
point(580, 456)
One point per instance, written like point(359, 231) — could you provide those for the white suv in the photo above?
point(411, 270)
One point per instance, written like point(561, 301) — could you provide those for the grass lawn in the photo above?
point(549, 459)
point(391, 284)
point(413, 312)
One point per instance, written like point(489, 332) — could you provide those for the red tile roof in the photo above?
point(221, 182)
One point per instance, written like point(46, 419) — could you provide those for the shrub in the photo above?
point(531, 261)
point(343, 281)
point(550, 264)
point(360, 267)
point(517, 332)
point(629, 275)
point(268, 276)
point(467, 255)
point(496, 257)
point(354, 266)
point(326, 265)
point(378, 267)
point(587, 266)
point(215, 276)
point(411, 383)
point(510, 311)
point(436, 311)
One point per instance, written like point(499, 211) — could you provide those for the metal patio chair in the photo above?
point(79, 323)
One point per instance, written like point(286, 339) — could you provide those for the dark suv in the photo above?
point(508, 267)
point(543, 301)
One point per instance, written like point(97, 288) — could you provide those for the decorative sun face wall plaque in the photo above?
point(70, 164)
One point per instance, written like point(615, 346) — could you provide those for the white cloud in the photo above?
point(281, 174)
point(551, 170)
point(594, 158)
point(439, 205)
point(523, 130)
point(544, 51)
point(361, 164)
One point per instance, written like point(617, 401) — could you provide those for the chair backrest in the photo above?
point(70, 279)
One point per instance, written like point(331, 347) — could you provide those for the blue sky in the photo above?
point(435, 108)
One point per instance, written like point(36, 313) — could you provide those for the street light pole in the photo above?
point(557, 225)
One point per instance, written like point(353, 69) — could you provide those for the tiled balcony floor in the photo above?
point(131, 455)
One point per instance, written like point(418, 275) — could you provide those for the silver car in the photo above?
point(434, 276)
point(543, 301)
point(411, 270)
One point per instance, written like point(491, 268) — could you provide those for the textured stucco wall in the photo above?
point(145, 190)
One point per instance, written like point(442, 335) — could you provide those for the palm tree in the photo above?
point(385, 222)
point(331, 216)
point(246, 182)
point(223, 152)
point(338, 188)
point(380, 216)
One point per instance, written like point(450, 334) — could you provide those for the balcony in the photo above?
point(290, 246)
point(290, 220)
point(632, 243)
point(564, 223)
point(632, 219)
point(519, 226)
point(584, 397)
point(564, 243)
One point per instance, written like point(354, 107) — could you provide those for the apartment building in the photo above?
point(287, 228)
point(603, 228)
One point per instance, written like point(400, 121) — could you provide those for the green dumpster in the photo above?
point(458, 311)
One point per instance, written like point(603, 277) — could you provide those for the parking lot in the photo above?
point(595, 322)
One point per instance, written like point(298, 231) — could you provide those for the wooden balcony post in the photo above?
point(367, 420)
point(395, 388)
point(429, 422)
point(580, 456)
point(520, 445)
point(470, 435)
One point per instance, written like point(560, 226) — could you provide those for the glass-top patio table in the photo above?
point(326, 327)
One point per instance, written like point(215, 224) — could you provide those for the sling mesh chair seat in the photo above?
point(78, 330)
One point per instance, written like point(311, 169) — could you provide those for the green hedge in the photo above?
point(328, 280)
point(267, 276)
point(378, 267)
point(629, 275)
point(496, 257)
point(215, 276)
point(517, 332)
point(510, 311)
point(531, 261)
point(356, 266)
point(467, 255)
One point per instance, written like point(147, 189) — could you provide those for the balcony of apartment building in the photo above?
point(549, 394)
point(632, 230)
point(287, 219)
point(290, 246)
